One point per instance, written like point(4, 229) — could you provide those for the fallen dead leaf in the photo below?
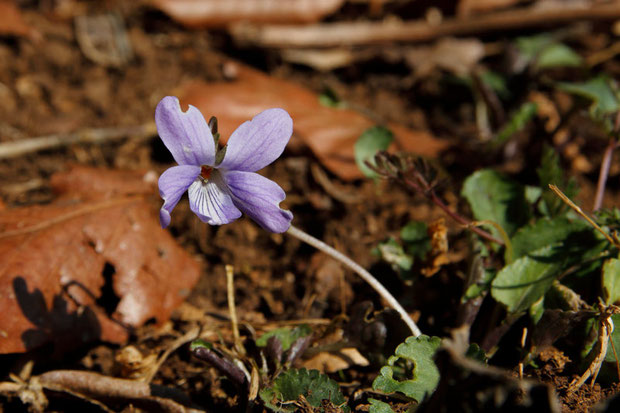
point(218, 13)
point(12, 23)
point(88, 266)
point(331, 362)
point(329, 132)
point(457, 56)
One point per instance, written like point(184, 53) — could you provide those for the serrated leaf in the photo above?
point(494, 197)
point(544, 232)
point(517, 122)
point(377, 406)
point(370, 142)
point(311, 384)
point(425, 375)
point(599, 91)
point(285, 335)
point(611, 281)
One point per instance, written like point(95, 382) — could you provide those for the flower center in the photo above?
point(205, 172)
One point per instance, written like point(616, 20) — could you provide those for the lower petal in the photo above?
point(259, 198)
point(172, 184)
point(211, 201)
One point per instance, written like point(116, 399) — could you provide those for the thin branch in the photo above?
point(603, 174)
point(24, 146)
point(452, 214)
point(365, 33)
point(365, 275)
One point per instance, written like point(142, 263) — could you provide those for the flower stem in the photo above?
point(365, 275)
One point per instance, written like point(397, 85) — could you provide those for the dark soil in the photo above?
point(49, 87)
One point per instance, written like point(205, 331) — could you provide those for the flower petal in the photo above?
point(257, 143)
point(172, 184)
point(186, 134)
point(259, 198)
point(211, 201)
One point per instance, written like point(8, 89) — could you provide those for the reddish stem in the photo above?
point(603, 174)
point(430, 194)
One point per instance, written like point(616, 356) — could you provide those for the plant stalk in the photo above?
point(365, 275)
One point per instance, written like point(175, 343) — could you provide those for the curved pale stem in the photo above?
point(365, 275)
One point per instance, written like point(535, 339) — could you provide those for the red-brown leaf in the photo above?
point(330, 133)
point(52, 260)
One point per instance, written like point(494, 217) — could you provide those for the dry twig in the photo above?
point(25, 146)
point(364, 33)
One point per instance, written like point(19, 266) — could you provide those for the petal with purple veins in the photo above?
point(259, 198)
point(211, 201)
point(186, 134)
point(257, 143)
point(172, 184)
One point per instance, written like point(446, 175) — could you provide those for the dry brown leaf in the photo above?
point(457, 56)
point(331, 362)
point(54, 261)
point(218, 13)
point(329, 132)
point(12, 23)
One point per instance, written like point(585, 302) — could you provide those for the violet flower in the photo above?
point(220, 189)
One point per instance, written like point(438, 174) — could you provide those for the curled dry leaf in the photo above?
point(329, 132)
point(89, 265)
point(218, 13)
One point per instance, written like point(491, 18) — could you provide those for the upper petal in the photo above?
point(259, 198)
point(257, 143)
point(211, 201)
point(172, 184)
point(186, 134)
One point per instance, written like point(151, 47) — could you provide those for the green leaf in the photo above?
point(611, 281)
point(545, 52)
point(545, 231)
point(599, 91)
point(496, 82)
point(200, 343)
point(377, 406)
point(557, 55)
point(312, 385)
point(415, 235)
point(476, 353)
point(551, 172)
point(393, 253)
point(494, 197)
point(330, 99)
point(615, 339)
point(524, 281)
point(517, 122)
point(370, 142)
point(475, 290)
point(424, 377)
point(531, 46)
point(287, 336)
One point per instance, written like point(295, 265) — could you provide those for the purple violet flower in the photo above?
point(219, 190)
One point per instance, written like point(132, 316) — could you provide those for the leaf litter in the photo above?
point(272, 287)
